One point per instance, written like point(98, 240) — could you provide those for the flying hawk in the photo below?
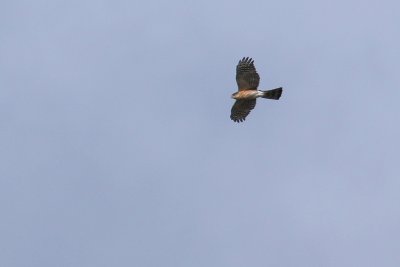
point(248, 80)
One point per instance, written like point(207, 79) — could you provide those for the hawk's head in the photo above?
point(234, 95)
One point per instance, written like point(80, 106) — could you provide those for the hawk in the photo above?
point(248, 80)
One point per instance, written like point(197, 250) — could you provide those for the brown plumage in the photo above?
point(248, 80)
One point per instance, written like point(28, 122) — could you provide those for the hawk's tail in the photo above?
point(273, 94)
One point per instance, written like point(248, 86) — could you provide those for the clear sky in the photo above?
point(116, 147)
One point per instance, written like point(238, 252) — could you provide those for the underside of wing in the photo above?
point(241, 109)
point(246, 74)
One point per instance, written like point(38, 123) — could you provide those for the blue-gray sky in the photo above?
point(116, 146)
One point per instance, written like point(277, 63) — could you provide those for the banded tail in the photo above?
point(273, 94)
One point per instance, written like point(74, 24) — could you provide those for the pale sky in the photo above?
point(116, 146)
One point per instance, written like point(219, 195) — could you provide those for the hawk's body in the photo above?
point(247, 94)
point(248, 80)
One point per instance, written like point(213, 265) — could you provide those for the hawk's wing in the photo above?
point(246, 74)
point(241, 109)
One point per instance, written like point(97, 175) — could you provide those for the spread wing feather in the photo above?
point(246, 74)
point(241, 109)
